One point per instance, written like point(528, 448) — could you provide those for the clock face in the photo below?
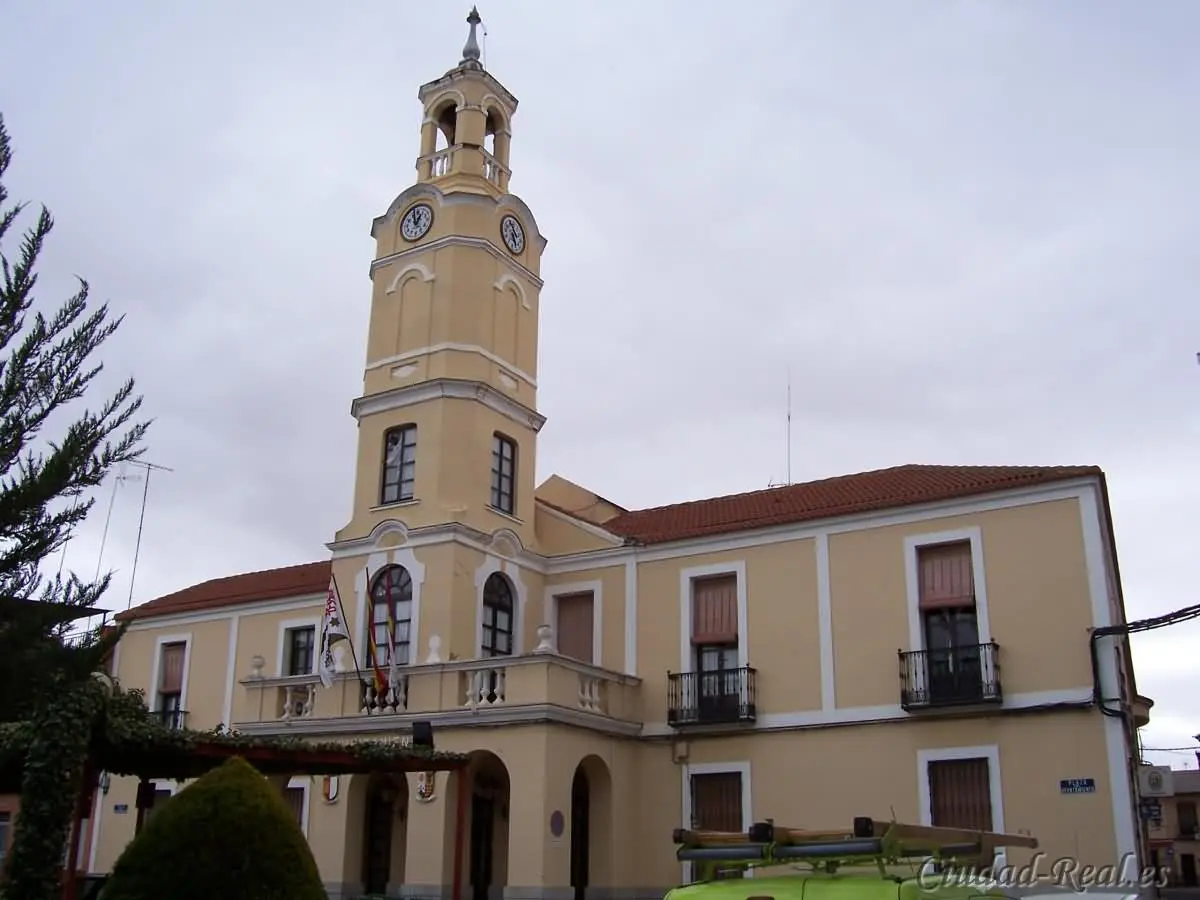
point(416, 222)
point(513, 234)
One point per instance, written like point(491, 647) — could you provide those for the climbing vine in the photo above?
point(57, 750)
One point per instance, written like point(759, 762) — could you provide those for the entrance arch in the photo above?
point(487, 858)
point(591, 826)
point(384, 816)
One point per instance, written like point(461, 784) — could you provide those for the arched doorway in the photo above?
point(383, 833)
point(591, 826)
point(488, 860)
point(581, 833)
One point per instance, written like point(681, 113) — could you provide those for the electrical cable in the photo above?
point(1187, 614)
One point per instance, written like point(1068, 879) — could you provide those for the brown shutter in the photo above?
point(945, 576)
point(576, 626)
point(714, 610)
point(170, 679)
point(294, 797)
point(960, 794)
point(717, 802)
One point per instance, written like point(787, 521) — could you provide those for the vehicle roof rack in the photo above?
point(868, 842)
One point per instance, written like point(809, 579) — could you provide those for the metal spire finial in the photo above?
point(471, 48)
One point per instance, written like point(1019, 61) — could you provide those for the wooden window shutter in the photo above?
point(294, 797)
point(714, 610)
point(945, 576)
point(717, 802)
point(170, 680)
point(960, 794)
point(575, 627)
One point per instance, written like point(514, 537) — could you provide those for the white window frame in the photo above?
point(304, 783)
point(289, 625)
point(512, 572)
point(912, 544)
point(990, 752)
point(550, 610)
point(687, 658)
point(160, 642)
point(740, 767)
point(376, 562)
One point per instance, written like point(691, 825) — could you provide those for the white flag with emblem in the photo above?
point(333, 629)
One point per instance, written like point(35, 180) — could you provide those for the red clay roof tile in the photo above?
point(845, 495)
point(840, 496)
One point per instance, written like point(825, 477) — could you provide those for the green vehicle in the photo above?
point(872, 861)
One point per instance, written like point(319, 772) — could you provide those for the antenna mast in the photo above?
point(137, 547)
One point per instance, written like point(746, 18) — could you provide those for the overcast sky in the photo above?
point(967, 230)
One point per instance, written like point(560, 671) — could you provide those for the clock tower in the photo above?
point(448, 419)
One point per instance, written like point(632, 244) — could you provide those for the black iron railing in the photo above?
point(958, 676)
point(171, 718)
point(721, 697)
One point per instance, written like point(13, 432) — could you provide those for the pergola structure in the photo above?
point(128, 741)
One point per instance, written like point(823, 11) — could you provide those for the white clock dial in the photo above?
point(513, 234)
point(416, 222)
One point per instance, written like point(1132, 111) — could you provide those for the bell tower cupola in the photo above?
point(448, 420)
point(465, 135)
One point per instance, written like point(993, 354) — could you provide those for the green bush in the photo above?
point(230, 835)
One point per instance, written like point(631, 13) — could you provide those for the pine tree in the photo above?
point(47, 362)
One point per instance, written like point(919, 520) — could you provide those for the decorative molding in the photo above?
point(825, 624)
point(508, 279)
point(1101, 569)
point(252, 608)
point(779, 534)
point(871, 715)
point(460, 240)
point(631, 618)
point(687, 662)
point(412, 270)
point(379, 560)
point(550, 612)
point(231, 669)
point(742, 768)
point(448, 389)
point(449, 346)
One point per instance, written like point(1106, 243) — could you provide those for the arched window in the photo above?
point(391, 617)
point(497, 616)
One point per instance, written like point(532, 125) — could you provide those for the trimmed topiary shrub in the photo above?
point(228, 835)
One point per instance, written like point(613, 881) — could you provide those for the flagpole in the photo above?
point(349, 637)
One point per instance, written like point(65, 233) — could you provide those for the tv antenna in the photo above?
point(787, 440)
point(137, 547)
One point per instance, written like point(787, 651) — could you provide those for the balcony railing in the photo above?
point(461, 691)
point(723, 697)
point(171, 718)
point(958, 676)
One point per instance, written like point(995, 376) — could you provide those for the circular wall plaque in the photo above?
point(557, 824)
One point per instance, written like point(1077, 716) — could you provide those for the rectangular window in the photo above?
point(717, 805)
point(715, 644)
point(300, 644)
point(399, 464)
point(161, 796)
point(5, 835)
point(960, 793)
point(170, 684)
point(1188, 826)
point(949, 622)
point(504, 472)
point(576, 626)
point(294, 797)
